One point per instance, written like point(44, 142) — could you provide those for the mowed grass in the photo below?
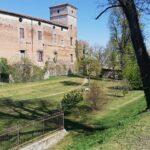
point(114, 127)
point(109, 128)
point(28, 101)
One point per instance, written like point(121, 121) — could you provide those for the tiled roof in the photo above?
point(31, 18)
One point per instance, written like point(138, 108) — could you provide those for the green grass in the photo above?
point(87, 130)
point(29, 101)
point(101, 129)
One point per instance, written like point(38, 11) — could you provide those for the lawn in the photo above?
point(28, 101)
point(99, 129)
point(117, 126)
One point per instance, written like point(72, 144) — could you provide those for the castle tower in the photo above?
point(65, 14)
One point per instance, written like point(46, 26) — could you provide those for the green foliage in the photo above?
point(96, 97)
point(71, 100)
point(4, 68)
point(37, 73)
point(90, 66)
point(132, 74)
point(131, 70)
point(107, 127)
point(25, 71)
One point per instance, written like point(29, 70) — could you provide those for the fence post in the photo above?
point(18, 135)
point(43, 125)
point(63, 120)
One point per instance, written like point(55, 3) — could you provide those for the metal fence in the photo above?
point(19, 135)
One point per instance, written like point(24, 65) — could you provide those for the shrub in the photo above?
point(4, 70)
point(71, 100)
point(25, 71)
point(132, 74)
point(96, 97)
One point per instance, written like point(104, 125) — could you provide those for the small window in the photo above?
point(40, 56)
point(22, 54)
point(53, 27)
point(71, 41)
point(39, 23)
point(58, 11)
point(71, 26)
point(62, 28)
point(39, 35)
point(55, 57)
point(72, 11)
point(71, 56)
point(20, 19)
point(22, 33)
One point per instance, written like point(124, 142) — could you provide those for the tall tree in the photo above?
point(120, 34)
point(129, 8)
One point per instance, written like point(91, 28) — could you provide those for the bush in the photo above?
point(71, 100)
point(37, 73)
point(96, 97)
point(132, 74)
point(25, 71)
point(4, 70)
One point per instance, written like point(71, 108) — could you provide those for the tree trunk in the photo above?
point(143, 58)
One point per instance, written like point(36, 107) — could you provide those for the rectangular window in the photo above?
point(22, 33)
point(40, 56)
point(71, 56)
point(22, 54)
point(55, 57)
point(71, 41)
point(39, 35)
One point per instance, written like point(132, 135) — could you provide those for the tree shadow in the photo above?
point(12, 111)
point(115, 95)
point(120, 88)
point(70, 83)
point(71, 125)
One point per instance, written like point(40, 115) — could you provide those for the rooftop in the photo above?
point(65, 4)
point(31, 18)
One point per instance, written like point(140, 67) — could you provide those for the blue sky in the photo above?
point(95, 32)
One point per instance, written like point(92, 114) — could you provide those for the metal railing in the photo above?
point(19, 135)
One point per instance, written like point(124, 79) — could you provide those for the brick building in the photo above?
point(40, 40)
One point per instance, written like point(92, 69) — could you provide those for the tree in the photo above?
point(121, 41)
point(96, 96)
point(82, 47)
point(129, 8)
point(120, 34)
point(92, 67)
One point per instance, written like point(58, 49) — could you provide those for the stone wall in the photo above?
point(47, 142)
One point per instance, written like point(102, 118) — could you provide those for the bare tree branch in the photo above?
point(113, 6)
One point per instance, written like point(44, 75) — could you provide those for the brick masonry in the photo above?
point(59, 36)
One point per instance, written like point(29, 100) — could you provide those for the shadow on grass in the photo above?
point(24, 110)
point(71, 125)
point(115, 95)
point(22, 113)
point(70, 83)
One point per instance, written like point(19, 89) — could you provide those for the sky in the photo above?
point(89, 29)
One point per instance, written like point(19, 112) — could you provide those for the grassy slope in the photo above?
point(120, 114)
point(27, 101)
